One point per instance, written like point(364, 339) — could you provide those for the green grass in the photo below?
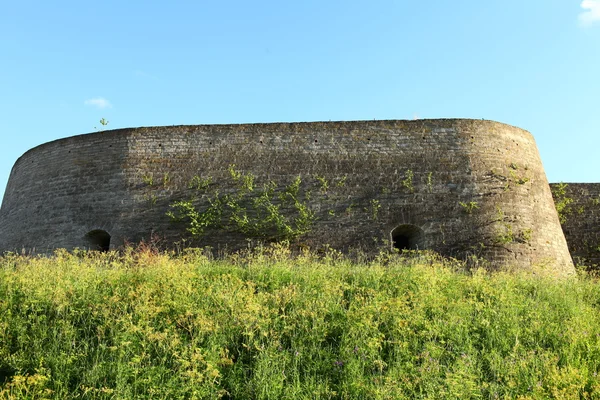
point(270, 326)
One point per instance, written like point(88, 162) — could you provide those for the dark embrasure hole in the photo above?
point(408, 237)
point(98, 239)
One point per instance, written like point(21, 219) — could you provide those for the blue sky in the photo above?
point(534, 64)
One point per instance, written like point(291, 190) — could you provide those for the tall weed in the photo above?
point(269, 325)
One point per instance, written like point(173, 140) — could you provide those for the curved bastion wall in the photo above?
point(459, 187)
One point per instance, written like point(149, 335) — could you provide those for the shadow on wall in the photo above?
point(408, 237)
point(98, 239)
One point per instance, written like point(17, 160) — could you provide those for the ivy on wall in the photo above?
point(562, 201)
point(271, 212)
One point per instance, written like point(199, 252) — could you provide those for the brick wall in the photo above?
point(580, 220)
point(477, 187)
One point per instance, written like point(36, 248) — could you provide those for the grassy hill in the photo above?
point(266, 325)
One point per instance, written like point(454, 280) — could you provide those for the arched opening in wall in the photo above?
point(98, 240)
point(408, 237)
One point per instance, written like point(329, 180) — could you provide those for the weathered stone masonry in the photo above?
point(580, 216)
point(460, 187)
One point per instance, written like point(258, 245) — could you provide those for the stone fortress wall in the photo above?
point(579, 209)
point(460, 187)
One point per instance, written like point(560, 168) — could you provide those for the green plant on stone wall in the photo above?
point(469, 207)
point(198, 221)
point(519, 180)
point(407, 182)
point(562, 202)
point(103, 123)
point(505, 235)
point(430, 182)
point(259, 213)
point(292, 190)
point(500, 177)
point(152, 199)
point(513, 176)
point(526, 235)
point(148, 179)
point(245, 181)
point(499, 214)
point(323, 182)
point(199, 184)
point(234, 173)
point(375, 206)
point(166, 179)
point(350, 209)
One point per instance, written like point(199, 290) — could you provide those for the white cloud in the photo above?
point(592, 13)
point(99, 102)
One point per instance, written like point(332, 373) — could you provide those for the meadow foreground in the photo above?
point(266, 325)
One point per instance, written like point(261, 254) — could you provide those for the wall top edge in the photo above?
point(123, 132)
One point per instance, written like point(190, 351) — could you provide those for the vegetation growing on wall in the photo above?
point(511, 176)
point(103, 123)
point(562, 201)
point(407, 182)
point(271, 212)
point(577, 206)
point(468, 207)
point(506, 233)
point(359, 179)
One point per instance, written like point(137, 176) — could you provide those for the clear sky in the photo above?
point(531, 63)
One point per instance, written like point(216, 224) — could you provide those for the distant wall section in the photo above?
point(579, 209)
